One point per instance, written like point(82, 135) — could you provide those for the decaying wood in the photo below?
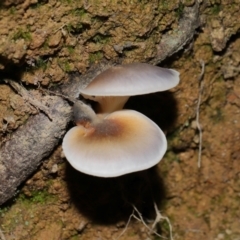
point(170, 43)
point(28, 97)
point(175, 40)
point(23, 153)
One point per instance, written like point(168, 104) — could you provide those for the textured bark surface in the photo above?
point(171, 43)
point(176, 40)
point(22, 154)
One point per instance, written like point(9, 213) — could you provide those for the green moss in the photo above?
point(74, 28)
point(79, 12)
point(40, 63)
point(173, 137)
point(171, 157)
point(99, 38)
point(65, 66)
point(70, 49)
point(95, 57)
point(180, 10)
point(3, 211)
point(164, 5)
point(23, 210)
point(75, 237)
point(164, 229)
point(36, 197)
point(132, 233)
point(40, 197)
point(45, 44)
point(12, 10)
point(70, 27)
point(22, 34)
point(216, 9)
point(66, 1)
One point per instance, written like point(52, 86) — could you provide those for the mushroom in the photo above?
point(112, 88)
point(114, 144)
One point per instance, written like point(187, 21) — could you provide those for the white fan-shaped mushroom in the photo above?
point(113, 87)
point(115, 144)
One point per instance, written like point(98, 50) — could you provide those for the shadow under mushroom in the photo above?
point(160, 107)
point(110, 200)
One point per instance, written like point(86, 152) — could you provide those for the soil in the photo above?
point(51, 40)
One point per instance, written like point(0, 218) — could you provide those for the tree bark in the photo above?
point(23, 153)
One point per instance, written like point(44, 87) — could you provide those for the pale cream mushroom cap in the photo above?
point(123, 81)
point(122, 142)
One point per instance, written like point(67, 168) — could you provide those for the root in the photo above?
point(201, 84)
point(126, 227)
point(158, 219)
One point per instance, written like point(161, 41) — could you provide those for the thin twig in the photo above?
point(157, 219)
point(70, 99)
point(28, 97)
point(201, 84)
point(160, 217)
point(126, 227)
point(139, 218)
point(59, 28)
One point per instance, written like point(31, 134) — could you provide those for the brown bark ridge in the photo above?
point(23, 153)
point(170, 43)
point(175, 40)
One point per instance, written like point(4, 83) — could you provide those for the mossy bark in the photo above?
point(23, 153)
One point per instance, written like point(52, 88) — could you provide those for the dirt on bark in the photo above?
point(55, 38)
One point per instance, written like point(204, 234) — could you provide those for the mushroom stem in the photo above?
point(108, 104)
point(111, 104)
point(83, 114)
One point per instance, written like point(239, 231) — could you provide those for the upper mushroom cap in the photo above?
point(122, 142)
point(132, 79)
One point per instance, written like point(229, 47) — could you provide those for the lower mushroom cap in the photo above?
point(122, 142)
